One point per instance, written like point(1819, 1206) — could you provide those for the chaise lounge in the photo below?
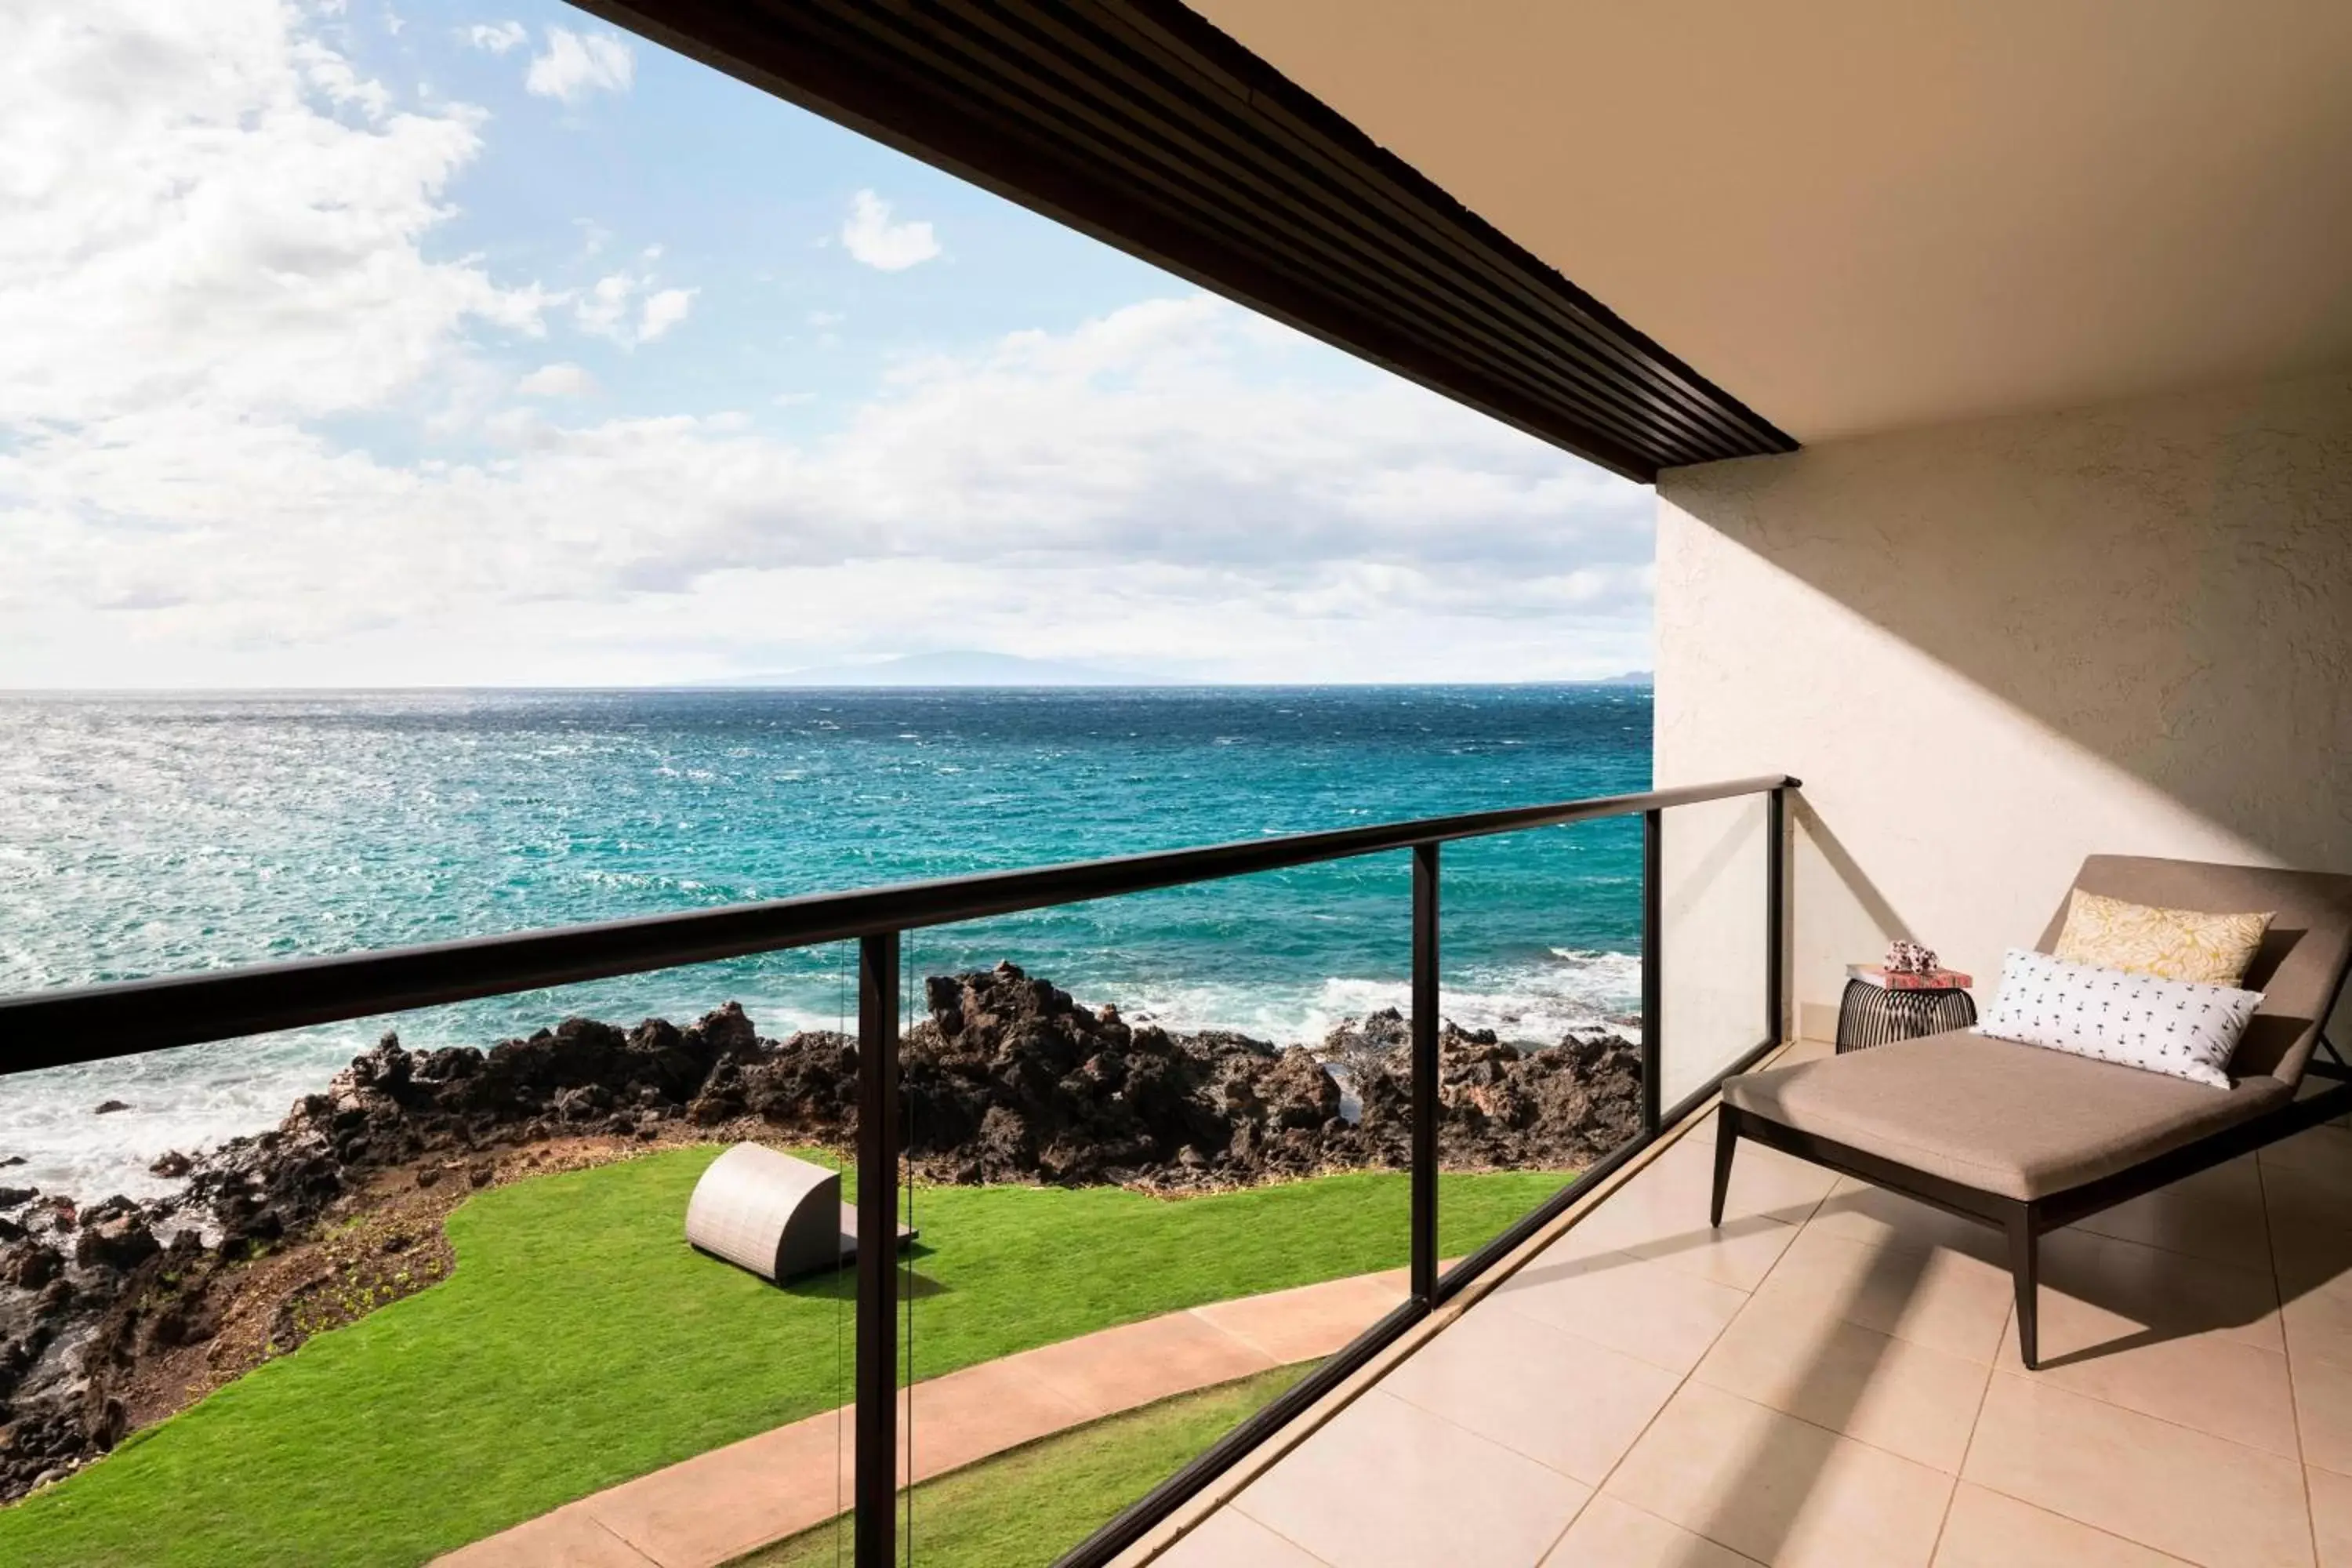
point(2029, 1140)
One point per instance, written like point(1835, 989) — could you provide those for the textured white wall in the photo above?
point(1989, 649)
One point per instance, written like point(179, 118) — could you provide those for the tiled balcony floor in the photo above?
point(1834, 1378)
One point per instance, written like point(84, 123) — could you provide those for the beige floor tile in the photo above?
point(1613, 1534)
point(1227, 1538)
point(1388, 1483)
point(2323, 1409)
point(2308, 1196)
point(1119, 1368)
point(2319, 1325)
point(2331, 1517)
point(1764, 1182)
point(1308, 1322)
point(1889, 1392)
point(1986, 1530)
point(2197, 1497)
point(1573, 1404)
point(1739, 1255)
point(2323, 1149)
point(2216, 1214)
point(1943, 1300)
point(2210, 1381)
point(1646, 1310)
point(1859, 1212)
point(2310, 1256)
point(1779, 1490)
point(2151, 1288)
point(1658, 1223)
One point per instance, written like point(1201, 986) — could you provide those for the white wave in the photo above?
point(200, 1097)
point(1537, 1005)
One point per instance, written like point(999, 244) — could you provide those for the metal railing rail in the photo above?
point(54, 1028)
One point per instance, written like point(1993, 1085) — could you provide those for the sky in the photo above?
point(427, 345)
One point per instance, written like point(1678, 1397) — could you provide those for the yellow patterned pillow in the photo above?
point(2176, 944)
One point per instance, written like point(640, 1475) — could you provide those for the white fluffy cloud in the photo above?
point(561, 379)
point(210, 215)
point(626, 308)
point(574, 65)
point(216, 256)
point(871, 238)
point(663, 309)
point(496, 37)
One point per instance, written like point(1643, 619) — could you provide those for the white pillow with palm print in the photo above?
point(2182, 1027)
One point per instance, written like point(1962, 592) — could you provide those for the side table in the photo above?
point(1879, 1010)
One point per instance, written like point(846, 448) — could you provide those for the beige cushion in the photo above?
point(2299, 966)
point(1994, 1115)
point(2171, 944)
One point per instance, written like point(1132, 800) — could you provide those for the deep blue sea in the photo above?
point(145, 835)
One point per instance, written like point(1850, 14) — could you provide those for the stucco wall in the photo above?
point(1989, 649)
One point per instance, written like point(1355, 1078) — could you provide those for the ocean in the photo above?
point(145, 835)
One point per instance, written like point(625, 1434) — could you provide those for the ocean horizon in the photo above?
point(154, 833)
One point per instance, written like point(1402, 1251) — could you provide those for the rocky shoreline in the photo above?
point(114, 1314)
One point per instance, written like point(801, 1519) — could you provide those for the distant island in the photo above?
point(978, 667)
point(959, 668)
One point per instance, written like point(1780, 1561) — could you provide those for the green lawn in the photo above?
point(1025, 1507)
point(580, 1343)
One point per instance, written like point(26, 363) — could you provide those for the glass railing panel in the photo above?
point(449, 1292)
point(1147, 1202)
point(1539, 1018)
point(1712, 910)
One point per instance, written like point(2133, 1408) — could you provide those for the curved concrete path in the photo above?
point(715, 1507)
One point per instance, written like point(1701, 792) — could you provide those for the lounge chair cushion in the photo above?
point(2298, 966)
point(1994, 1115)
point(2134, 1020)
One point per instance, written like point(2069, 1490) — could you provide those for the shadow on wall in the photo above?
point(2166, 584)
point(1848, 871)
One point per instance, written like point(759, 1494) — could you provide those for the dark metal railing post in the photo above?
point(1776, 935)
point(1654, 948)
point(1424, 1072)
point(875, 1485)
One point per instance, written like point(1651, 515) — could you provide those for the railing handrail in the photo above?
point(52, 1028)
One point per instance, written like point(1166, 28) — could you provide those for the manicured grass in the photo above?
point(580, 1343)
point(1035, 1502)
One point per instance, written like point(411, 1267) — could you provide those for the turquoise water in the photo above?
point(145, 836)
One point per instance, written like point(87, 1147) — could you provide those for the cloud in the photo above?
point(496, 37)
point(577, 64)
point(625, 308)
point(561, 379)
point(194, 225)
point(871, 238)
point(663, 311)
point(224, 268)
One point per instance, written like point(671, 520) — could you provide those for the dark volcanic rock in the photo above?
point(1005, 1078)
point(109, 1107)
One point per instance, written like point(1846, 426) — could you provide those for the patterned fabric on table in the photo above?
point(2176, 944)
point(2174, 1026)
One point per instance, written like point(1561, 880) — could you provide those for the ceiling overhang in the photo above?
point(1139, 122)
point(1858, 216)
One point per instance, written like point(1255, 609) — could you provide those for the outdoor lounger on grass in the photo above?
point(2027, 1138)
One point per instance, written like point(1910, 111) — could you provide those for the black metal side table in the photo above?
point(1871, 1014)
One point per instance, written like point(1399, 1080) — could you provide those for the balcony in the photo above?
point(1835, 1377)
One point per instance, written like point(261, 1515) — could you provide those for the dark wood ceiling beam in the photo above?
point(1137, 122)
point(1312, 234)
